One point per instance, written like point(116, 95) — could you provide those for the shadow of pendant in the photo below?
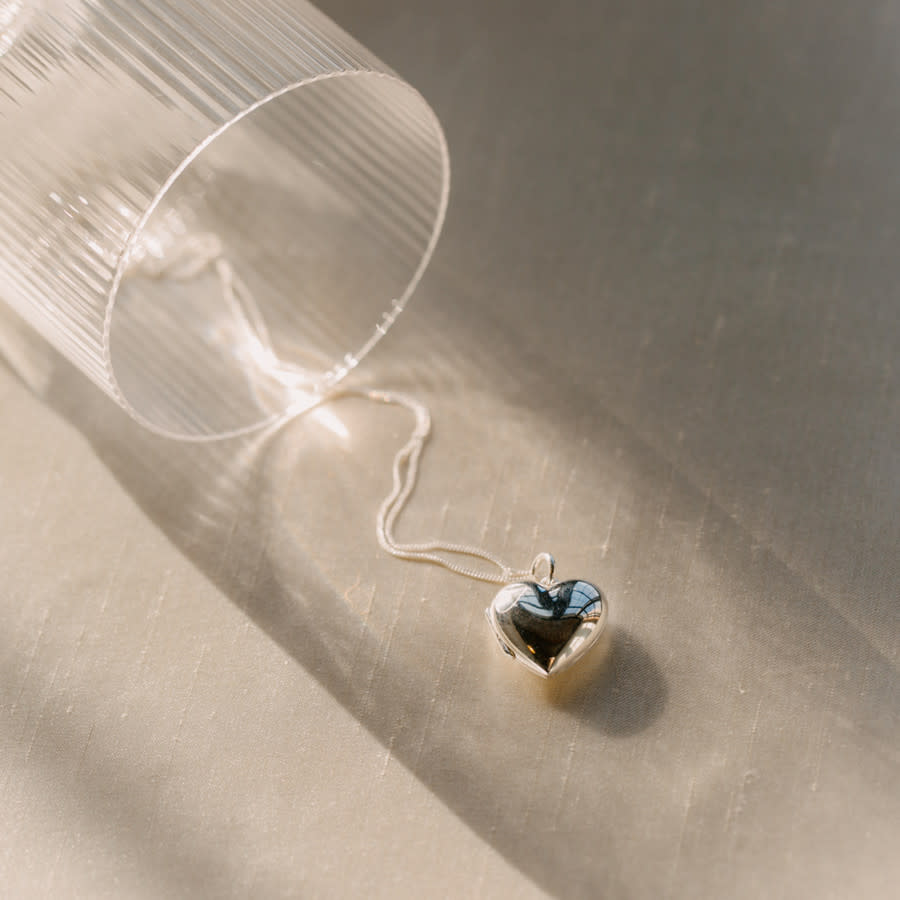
point(547, 629)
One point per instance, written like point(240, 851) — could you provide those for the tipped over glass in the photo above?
point(130, 129)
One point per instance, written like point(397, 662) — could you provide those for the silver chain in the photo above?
point(199, 253)
point(405, 473)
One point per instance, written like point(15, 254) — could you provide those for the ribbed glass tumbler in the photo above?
point(130, 129)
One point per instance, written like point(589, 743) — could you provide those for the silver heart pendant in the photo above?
point(547, 628)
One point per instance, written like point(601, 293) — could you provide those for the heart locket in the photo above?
point(547, 627)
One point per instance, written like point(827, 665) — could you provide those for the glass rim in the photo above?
point(379, 329)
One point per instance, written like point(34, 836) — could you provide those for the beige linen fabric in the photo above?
point(659, 339)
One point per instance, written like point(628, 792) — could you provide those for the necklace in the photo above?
point(545, 625)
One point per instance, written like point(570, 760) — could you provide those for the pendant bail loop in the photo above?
point(546, 562)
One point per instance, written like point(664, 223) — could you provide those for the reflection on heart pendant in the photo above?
point(547, 629)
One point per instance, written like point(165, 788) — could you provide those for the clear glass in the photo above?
point(129, 127)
